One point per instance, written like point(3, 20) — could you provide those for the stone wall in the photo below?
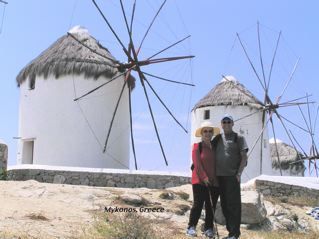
point(3, 158)
point(100, 179)
point(279, 189)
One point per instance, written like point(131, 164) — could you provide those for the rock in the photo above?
point(133, 199)
point(253, 209)
point(59, 179)
point(167, 195)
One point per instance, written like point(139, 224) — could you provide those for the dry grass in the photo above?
point(279, 235)
point(37, 217)
point(126, 225)
point(293, 200)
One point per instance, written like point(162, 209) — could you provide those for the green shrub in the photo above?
point(3, 174)
point(184, 196)
point(126, 226)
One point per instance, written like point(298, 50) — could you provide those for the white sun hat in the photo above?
point(206, 124)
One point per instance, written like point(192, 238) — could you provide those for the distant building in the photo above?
point(290, 163)
point(56, 130)
point(231, 97)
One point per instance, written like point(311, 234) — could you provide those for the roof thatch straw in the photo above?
point(288, 157)
point(68, 56)
point(229, 92)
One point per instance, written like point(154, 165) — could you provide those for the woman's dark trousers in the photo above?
point(201, 195)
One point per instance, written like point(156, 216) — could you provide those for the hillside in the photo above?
point(30, 209)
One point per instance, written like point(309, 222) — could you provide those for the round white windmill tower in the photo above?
point(56, 130)
point(231, 97)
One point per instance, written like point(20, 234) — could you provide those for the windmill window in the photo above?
point(206, 114)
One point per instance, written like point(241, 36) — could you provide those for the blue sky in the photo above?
point(29, 27)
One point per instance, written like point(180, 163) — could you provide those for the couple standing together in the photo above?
point(217, 167)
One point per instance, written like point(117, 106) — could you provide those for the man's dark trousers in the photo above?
point(231, 203)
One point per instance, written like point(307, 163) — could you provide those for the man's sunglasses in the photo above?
point(227, 122)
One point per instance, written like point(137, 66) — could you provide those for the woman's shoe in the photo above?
point(191, 231)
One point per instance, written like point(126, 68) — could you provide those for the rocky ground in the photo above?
point(30, 209)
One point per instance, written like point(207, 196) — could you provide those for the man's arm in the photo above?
point(243, 162)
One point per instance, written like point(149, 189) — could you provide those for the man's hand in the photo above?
point(238, 177)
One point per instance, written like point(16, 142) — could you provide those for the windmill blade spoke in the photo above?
point(131, 126)
point(152, 116)
point(260, 57)
point(316, 168)
point(295, 104)
point(170, 46)
point(142, 78)
point(100, 86)
point(167, 109)
point(261, 143)
point(288, 82)
point(246, 116)
point(298, 126)
point(165, 59)
point(304, 153)
point(129, 30)
point(304, 118)
point(164, 79)
point(287, 132)
point(309, 117)
point(125, 18)
point(112, 30)
point(309, 164)
point(91, 49)
point(272, 62)
point(315, 159)
point(250, 62)
point(113, 116)
point(132, 17)
point(294, 100)
point(256, 141)
point(151, 24)
point(276, 146)
point(316, 117)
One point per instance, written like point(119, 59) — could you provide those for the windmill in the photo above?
point(271, 109)
point(134, 63)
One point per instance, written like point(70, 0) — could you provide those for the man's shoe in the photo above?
point(233, 237)
point(191, 231)
point(209, 233)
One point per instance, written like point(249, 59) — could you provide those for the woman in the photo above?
point(204, 180)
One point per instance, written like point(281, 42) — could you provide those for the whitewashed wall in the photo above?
point(249, 127)
point(69, 133)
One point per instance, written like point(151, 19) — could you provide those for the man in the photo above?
point(231, 159)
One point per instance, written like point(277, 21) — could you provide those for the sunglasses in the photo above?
point(227, 122)
point(207, 131)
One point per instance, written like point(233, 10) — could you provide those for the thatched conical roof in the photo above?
point(229, 92)
point(288, 156)
point(67, 56)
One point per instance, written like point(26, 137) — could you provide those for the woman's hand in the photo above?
point(206, 182)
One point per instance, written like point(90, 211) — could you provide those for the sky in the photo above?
point(29, 27)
